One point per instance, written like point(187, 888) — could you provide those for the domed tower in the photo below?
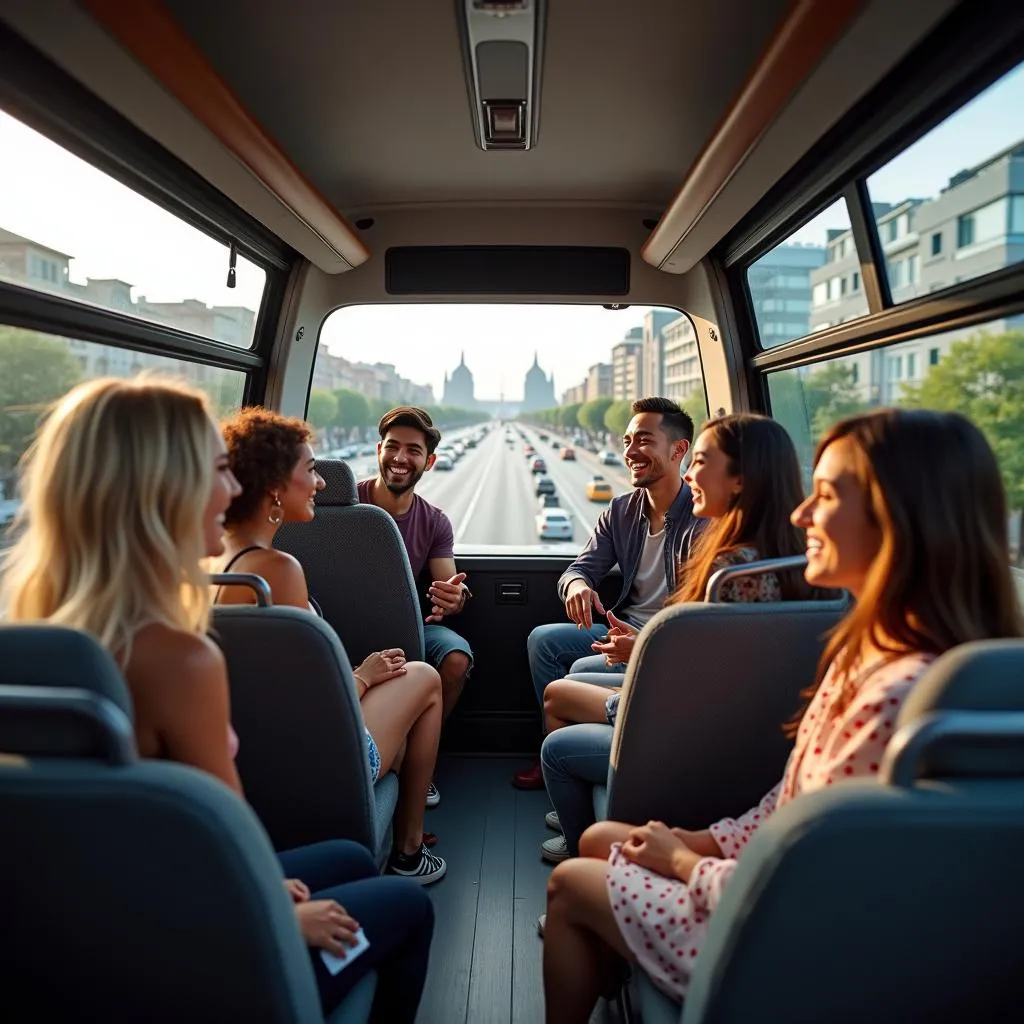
point(459, 388)
point(538, 389)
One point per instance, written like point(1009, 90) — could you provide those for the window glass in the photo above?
point(68, 229)
point(816, 271)
point(37, 369)
point(962, 182)
point(975, 371)
point(496, 378)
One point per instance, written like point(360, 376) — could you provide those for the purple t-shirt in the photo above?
point(426, 530)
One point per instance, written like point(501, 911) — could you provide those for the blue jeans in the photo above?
point(554, 649)
point(574, 759)
point(396, 915)
point(592, 665)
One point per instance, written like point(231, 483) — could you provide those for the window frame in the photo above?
point(48, 100)
point(968, 52)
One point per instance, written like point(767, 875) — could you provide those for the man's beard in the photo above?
point(405, 484)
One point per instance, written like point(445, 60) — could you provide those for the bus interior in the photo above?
point(522, 214)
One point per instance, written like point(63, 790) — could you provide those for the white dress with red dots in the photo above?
point(663, 920)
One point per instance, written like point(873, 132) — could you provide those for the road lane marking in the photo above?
point(475, 500)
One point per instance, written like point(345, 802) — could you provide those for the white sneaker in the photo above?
point(554, 850)
point(551, 820)
point(433, 797)
point(541, 922)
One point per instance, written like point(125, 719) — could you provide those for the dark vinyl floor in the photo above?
point(485, 961)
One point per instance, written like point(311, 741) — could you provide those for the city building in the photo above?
point(627, 366)
point(780, 290)
point(681, 370)
point(538, 389)
point(576, 395)
point(379, 380)
point(973, 227)
point(459, 390)
point(599, 382)
point(652, 366)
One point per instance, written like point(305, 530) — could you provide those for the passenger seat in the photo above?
point(357, 568)
point(131, 890)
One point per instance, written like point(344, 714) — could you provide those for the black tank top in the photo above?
point(245, 551)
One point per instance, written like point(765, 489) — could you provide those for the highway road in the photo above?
point(490, 493)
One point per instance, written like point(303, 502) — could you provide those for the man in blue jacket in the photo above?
point(646, 533)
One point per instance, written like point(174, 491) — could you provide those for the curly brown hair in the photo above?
point(262, 450)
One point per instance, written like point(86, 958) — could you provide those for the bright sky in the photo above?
point(62, 202)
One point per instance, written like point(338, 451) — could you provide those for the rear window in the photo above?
point(502, 379)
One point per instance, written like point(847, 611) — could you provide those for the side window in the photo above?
point(975, 371)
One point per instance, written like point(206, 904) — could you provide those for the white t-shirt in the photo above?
point(650, 588)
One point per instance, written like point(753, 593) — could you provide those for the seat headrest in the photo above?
point(983, 676)
point(61, 722)
point(340, 484)
point(39, 654)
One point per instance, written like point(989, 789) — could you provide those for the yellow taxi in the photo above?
point(599, 489)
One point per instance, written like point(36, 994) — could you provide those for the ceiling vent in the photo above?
point(502, 43)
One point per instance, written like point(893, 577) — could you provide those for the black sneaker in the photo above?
point(423, 867)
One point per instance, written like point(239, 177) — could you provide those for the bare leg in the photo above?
point(569, 700)
point(579, 930)
point(597, 840)
point(406, 712)
point(454, 670)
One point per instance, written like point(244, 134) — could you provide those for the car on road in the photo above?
point(548, 501)
point(608, 458)
point(545, 485)
point(556, 445)
point(538, 466)
point(530, 451)
point(444, 463)
point(554, 524)
point(599, 489)
point(568, 455)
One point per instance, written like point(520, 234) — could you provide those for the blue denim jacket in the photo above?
point(618, 539)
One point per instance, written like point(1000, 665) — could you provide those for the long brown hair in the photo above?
point(942, 575)
point(759, 451)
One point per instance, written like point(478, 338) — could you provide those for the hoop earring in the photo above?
point(276, 515)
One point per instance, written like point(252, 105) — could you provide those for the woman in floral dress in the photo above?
point(908, 514)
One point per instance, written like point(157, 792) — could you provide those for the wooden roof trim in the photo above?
point(147, 31)
point(807, 33)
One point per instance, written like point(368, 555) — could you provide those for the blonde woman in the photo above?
point(125, 492)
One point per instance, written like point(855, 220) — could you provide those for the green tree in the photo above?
point(591, 414)
point(983, 378)
point(323, 408)
point(37, 370)
point(830, 393)
point(618, 415)
point(696, 406)
point(569, 415)
point(353, 410)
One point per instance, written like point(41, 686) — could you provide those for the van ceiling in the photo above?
point(370, 101)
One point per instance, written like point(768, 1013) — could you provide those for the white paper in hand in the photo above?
point(336, 964)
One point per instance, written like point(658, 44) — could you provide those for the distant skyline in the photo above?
point(426, 341)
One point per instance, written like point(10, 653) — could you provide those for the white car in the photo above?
point(554, 524)
point(444, 463)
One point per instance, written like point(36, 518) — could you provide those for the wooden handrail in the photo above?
point(147, 31)
point(806, 34)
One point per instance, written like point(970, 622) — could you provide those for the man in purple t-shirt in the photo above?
point(408, 439)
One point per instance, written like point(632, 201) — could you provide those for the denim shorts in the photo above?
point(439, 641)
point(372, 755)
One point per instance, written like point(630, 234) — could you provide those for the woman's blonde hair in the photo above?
point(931, 484)
point(110, 533)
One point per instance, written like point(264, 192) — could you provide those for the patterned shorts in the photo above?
point(373, 756)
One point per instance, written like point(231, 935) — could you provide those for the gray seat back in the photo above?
point(711, 685)
point(138, 891)
point(38, 654)
point(302, 746)
point(357, 569)
point(858, 903)
point(963, 719)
